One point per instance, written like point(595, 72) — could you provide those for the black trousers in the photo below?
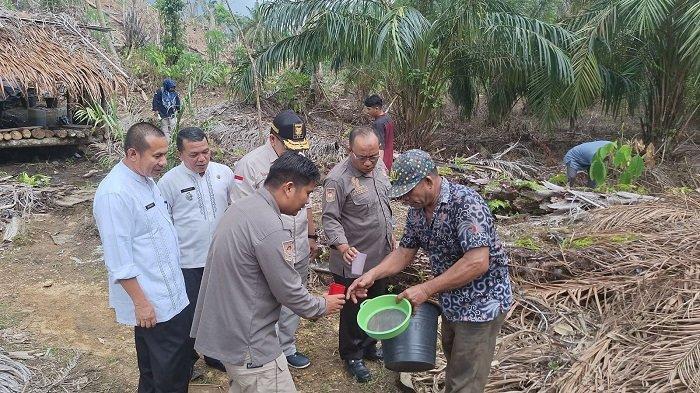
point(164, 355)
point(193, 280)
point(353, 342)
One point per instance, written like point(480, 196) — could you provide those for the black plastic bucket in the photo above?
point(415, 349)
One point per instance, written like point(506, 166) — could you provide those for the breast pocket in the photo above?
point(362, 203)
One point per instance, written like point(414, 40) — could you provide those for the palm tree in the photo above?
point(421, 51)
point(638, 52)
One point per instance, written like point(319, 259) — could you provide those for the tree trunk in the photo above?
point(101, 19)
point(210, 11)
point(254, 67)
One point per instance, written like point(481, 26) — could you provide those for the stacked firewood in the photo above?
point(38, 132)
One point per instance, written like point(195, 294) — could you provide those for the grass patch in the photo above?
point(528, 184)
point(559, 179)
point(528, 242)
point(579, 243)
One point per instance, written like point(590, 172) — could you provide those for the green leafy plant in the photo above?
point(172, 31)
point(291, 89)
point(497, 205)
point(445, 171)
point(216, 44)
point(37, 180)
point(616, 161)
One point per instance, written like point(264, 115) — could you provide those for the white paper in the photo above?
point(358, 264)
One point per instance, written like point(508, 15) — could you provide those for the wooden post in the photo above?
point(26, 133)
point(16, 135)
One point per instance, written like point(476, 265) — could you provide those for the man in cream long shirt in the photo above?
point(288, 133)
point(146, 287)
point(197, 192)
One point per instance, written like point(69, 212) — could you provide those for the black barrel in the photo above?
point(414, 350)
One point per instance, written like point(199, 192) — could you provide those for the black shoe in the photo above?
point(357, 368)
point(214, 363)
point(373, 355)
point(298, 360)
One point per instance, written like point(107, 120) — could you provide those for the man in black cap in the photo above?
point(288, 132)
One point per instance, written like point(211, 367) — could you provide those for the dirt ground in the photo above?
point(54, 296)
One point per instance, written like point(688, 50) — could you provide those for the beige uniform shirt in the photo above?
point(249, 175)
point(248, 276)
point(356, 212)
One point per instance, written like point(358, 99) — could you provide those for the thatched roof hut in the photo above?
point(55, 55)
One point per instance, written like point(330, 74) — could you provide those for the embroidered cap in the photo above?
point(408, 170)
point(291, 130)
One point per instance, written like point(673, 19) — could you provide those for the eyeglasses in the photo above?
point(373, 158)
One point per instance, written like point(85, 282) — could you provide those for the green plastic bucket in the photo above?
point(383, 310)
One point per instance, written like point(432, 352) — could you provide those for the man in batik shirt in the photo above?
point(455, 228)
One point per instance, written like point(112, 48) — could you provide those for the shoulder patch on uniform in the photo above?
point(288, 251)
point(330, 194)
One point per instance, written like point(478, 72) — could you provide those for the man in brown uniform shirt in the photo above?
point(250, 274)
point(357, 217)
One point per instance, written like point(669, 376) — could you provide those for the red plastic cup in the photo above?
point(336, 289)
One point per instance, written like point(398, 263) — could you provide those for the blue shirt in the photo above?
point(462, 222)
point(581, 156)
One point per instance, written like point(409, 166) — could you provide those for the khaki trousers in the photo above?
point(273, 376)
point(167, 125)
point(469, 348)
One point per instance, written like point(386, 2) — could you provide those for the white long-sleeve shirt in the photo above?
point(196, 204)
point(139, 241)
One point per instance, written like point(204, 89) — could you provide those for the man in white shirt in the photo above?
point(146, 286)
point(197, 192)
point(288, 133)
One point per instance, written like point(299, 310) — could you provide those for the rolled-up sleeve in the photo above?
point(115, 224)
point(283, 280)
point(333, 200)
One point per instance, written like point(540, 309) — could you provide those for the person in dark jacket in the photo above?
point(166, 105)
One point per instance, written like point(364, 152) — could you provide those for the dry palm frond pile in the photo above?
point(14, 376)
point(609, 304)
point(236, 131)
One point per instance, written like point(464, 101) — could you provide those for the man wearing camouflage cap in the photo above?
point(455, 228)
point(288, 132)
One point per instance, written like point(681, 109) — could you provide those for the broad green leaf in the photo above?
point(625, 177)
point(636, 167)
point(598, 172)
point(622, 156)
point(606, 150)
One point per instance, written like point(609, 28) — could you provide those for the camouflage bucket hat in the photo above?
point(408, 170)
